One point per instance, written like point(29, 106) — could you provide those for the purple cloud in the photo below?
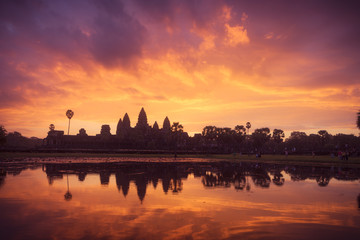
point(117, 38)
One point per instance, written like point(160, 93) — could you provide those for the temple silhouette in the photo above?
point(142, 136)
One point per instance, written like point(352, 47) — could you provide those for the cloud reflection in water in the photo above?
point(178, 201)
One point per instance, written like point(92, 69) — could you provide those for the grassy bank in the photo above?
point(291, 159)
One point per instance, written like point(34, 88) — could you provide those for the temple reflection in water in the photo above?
point(187, 199)
point(240, 176)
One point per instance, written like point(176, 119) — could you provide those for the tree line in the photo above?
point(262, 140)
point(220, 140)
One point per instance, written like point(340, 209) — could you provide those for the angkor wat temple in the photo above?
point(142, 136)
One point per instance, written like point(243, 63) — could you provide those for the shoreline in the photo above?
point(270, 159)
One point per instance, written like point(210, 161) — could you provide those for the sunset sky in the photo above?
point(293, 65)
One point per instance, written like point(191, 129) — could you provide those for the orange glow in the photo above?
point(223, 67)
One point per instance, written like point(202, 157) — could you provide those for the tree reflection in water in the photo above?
point(205, 200)
point(68, 195)
point(172, 174)
point(2, 177)
point(323, 181)
point(278, 179)
point(240, 182)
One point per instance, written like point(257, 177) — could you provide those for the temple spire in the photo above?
point(142, 120)
point(126, 122)
point(156, 126)
point(166, 124)
point(118, 129)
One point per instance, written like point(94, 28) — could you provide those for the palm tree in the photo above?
point(69, 114)
point(176, 128)
point(248, 126)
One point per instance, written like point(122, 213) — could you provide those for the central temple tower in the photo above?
point(142, 120)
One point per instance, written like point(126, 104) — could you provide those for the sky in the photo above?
point(290, 65)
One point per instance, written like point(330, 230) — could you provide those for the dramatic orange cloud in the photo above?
point(217, 63)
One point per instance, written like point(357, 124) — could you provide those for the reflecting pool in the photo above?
point(187, 199)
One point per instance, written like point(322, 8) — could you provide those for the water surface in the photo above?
point(81, 199)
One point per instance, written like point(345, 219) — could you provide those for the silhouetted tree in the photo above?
point(298, 135)
point(176, 129)
point(69, 114)
point(248, 126)
point(358, 120)
point(223, 139)
point(260, 137)
point(298, 140)
point(324, 137)
point(310, 143)
point(209, 132)
point(278, 135)
point(16, 140)
point(240, 129)
point(343, 141)
point(239, 136)
point(2, 134)
point(226, 138)
point(210, 136)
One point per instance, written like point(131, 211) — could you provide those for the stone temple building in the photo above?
point(124, 127)
point(142, 136)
